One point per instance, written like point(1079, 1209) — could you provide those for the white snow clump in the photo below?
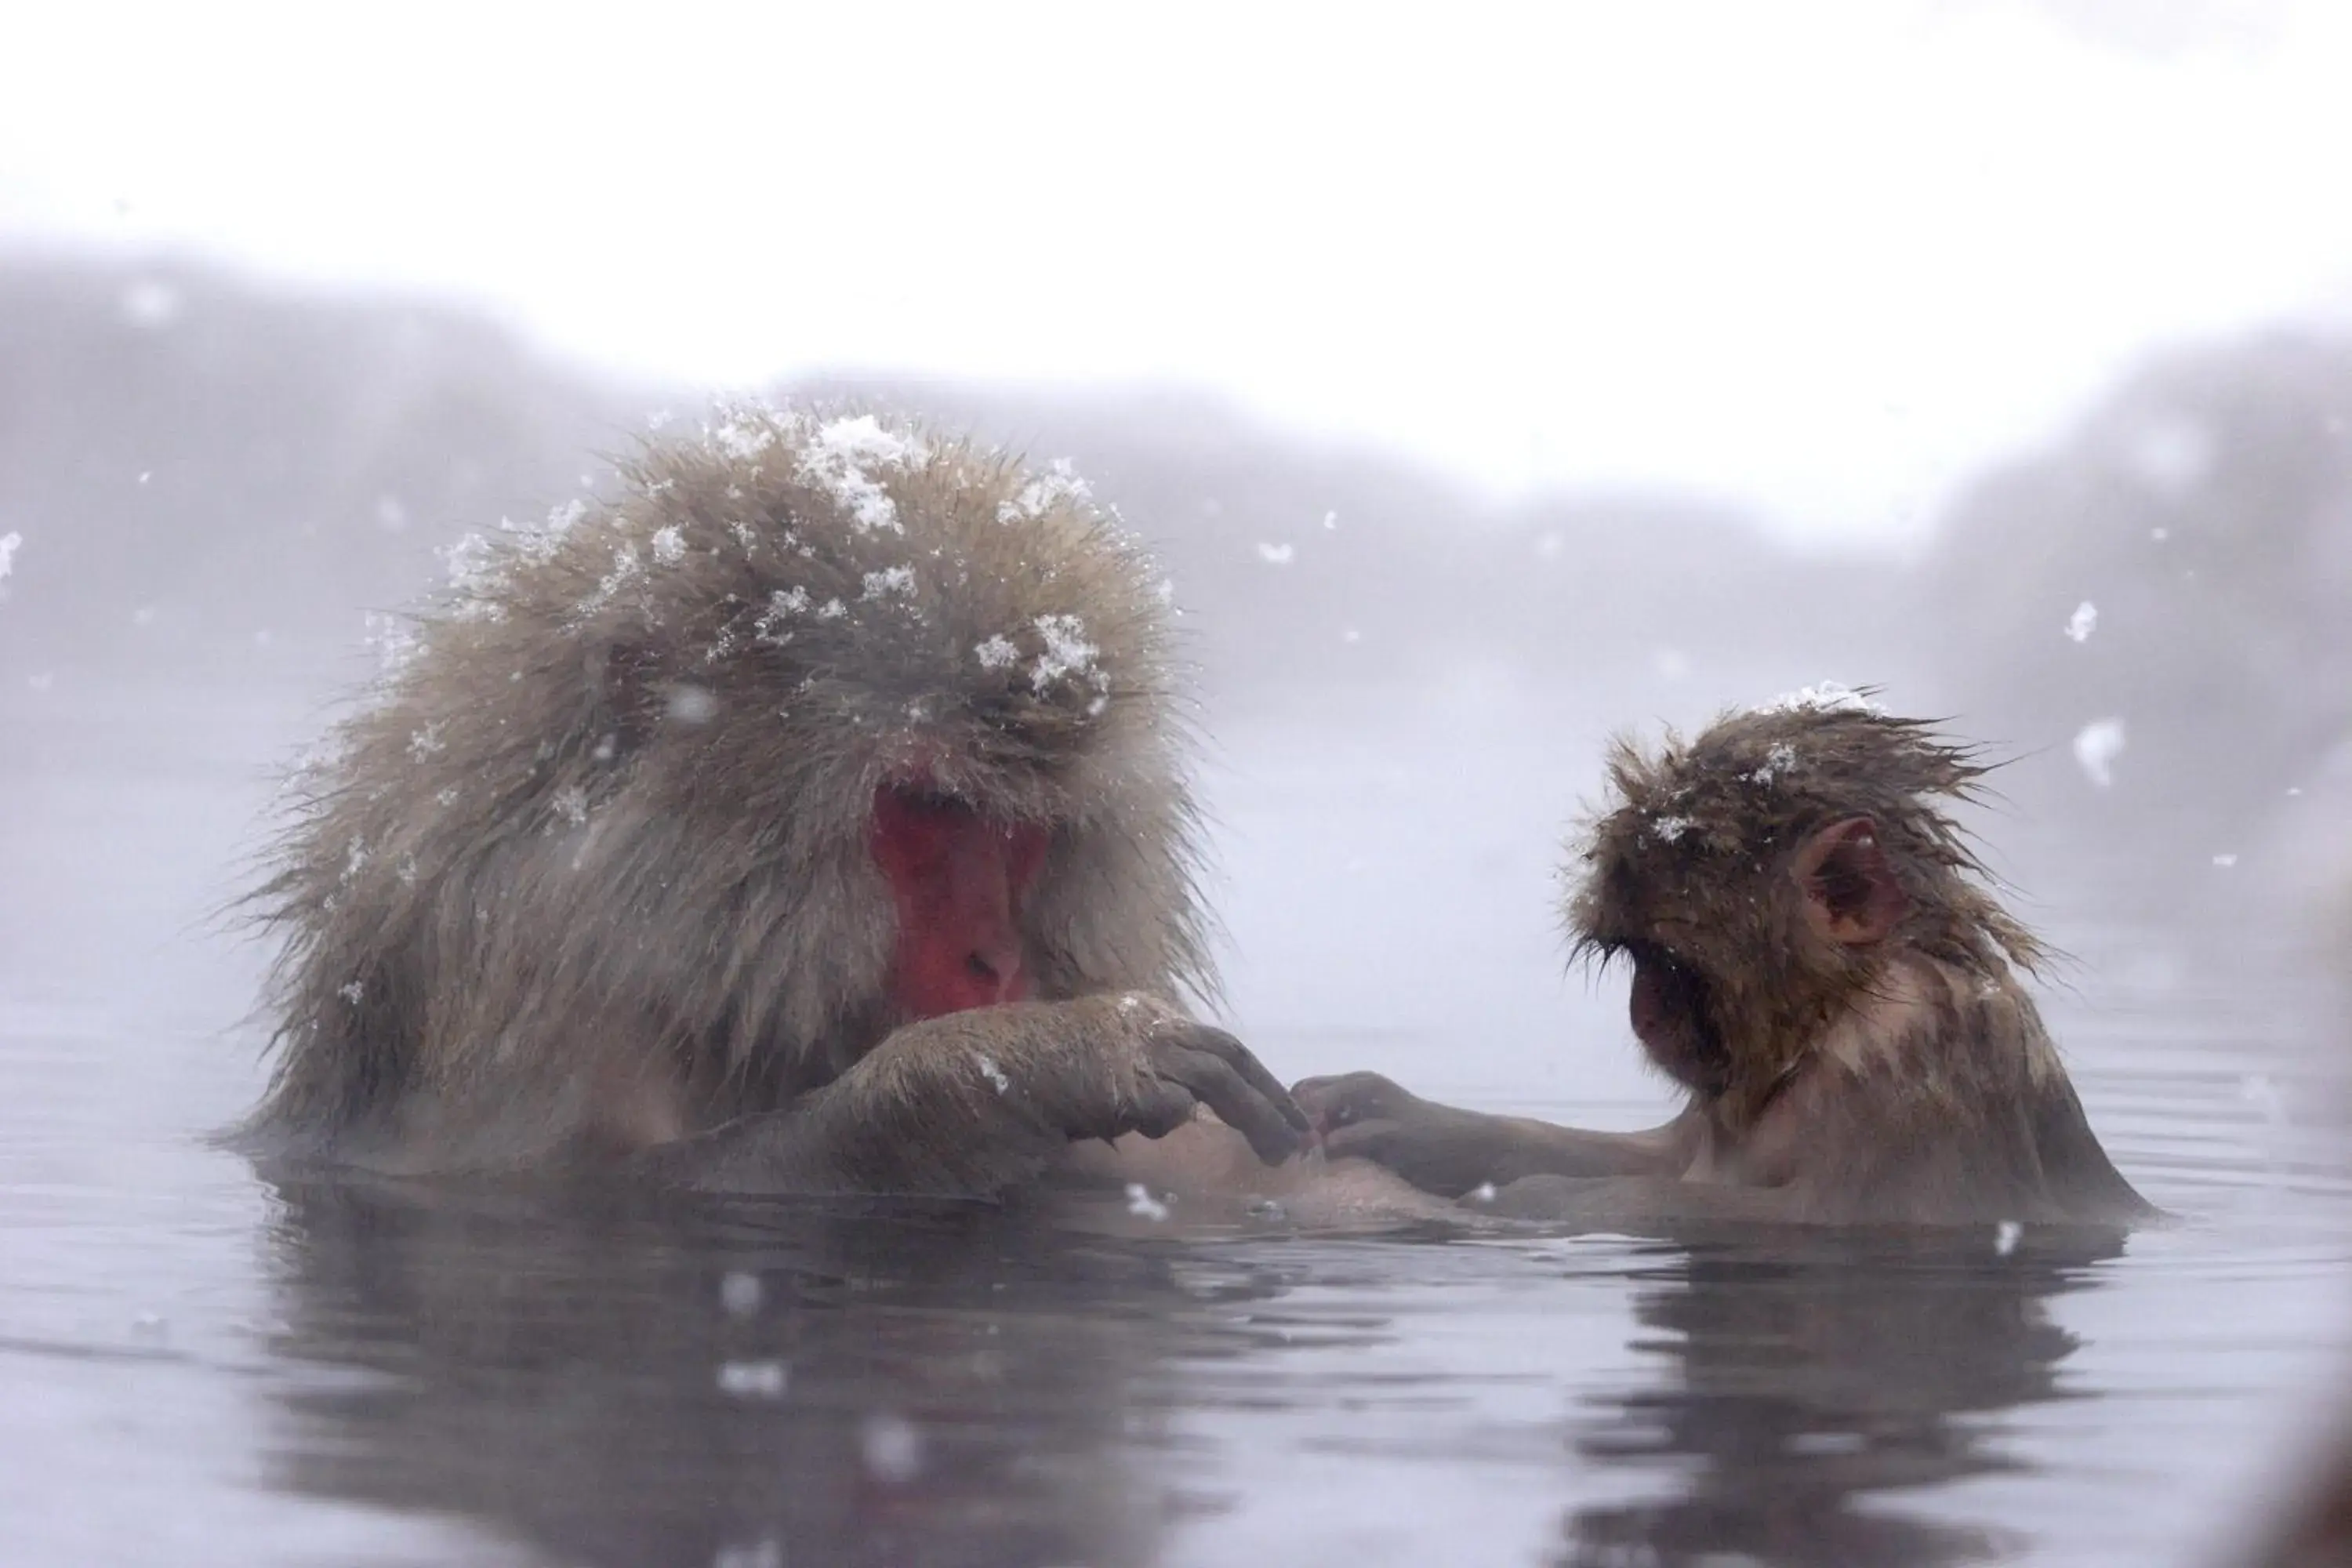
point(1828, 697)
point(2080, 625)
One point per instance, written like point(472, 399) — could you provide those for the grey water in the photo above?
point(201, 1365)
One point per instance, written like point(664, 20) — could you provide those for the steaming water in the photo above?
point(200, 1367)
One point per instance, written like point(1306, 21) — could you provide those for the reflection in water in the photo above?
point(1807, 1380)
point(743, 1383)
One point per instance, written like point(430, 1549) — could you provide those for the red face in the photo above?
point(959, 880)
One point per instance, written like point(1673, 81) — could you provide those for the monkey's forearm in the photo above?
point(849, 1138)
point(1445, 1149)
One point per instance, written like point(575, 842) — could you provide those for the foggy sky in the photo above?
point(1823, 258)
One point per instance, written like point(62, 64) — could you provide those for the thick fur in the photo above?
point(594, 867)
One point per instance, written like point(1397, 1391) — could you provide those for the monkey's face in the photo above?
point(958, 880)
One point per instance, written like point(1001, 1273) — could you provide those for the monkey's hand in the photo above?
point(1094, 1067)
point(1437, 1148)
point(973, 1103)
point(1445, 1150)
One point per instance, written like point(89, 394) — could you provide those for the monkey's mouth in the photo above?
point(1671, 1017)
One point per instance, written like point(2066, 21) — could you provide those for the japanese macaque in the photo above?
point(812, 817)
point(1818, 964)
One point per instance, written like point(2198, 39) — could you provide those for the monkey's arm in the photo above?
point(972, 1103)
point(1443, 1149)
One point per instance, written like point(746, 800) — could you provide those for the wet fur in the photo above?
point(1904, 1080)
point(592, 870)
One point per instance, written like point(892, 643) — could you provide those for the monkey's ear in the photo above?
point(1852, 897)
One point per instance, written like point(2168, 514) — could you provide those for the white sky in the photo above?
point(1822, 258)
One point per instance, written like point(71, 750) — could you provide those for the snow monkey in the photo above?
point(1818, 964)
point(810, 817)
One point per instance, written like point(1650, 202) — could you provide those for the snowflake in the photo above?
point(996, 1075)
point(890, 580)
point(2097, 746)
point(1781, 758)
point(1067, 652)
point(426, 741)
point(783, 604)
point(1142, 1205)
point(1670, 829)
point(476, 578)
point(2080, 624)
point(571, 803)
point(1059, 483)
point(669, 545)
point(997, 653)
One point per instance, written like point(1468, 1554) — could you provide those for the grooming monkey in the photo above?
point(1819, 965)
point(810, 817)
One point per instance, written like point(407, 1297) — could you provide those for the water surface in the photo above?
point(205, 1364)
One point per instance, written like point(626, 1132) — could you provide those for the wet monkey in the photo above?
point(812, 816)
point(1818, 964)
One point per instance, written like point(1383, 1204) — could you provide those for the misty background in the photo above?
point(1490, 380)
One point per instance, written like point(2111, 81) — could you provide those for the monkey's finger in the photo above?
point(1159, 1107)
point(1242, 1060)
point(1346, 1099)
point(1367, 1139)
point(1237, 1102)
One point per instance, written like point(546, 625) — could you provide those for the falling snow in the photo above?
point(1276, 554)
point(692, 704)
point(2097, 746)
point(2225, 861)
point(996, 1075)
point(151, 302)
point(353, 993)
point(892, 1448)
point(1142, 1205)
point(669, 545)
point(426, 741)
point(752, 1379)
point(997, 653)
point(8, 546)
point(2080, 625)
point(739, 1293)
point(1670, 829)
point(2005, 1236)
